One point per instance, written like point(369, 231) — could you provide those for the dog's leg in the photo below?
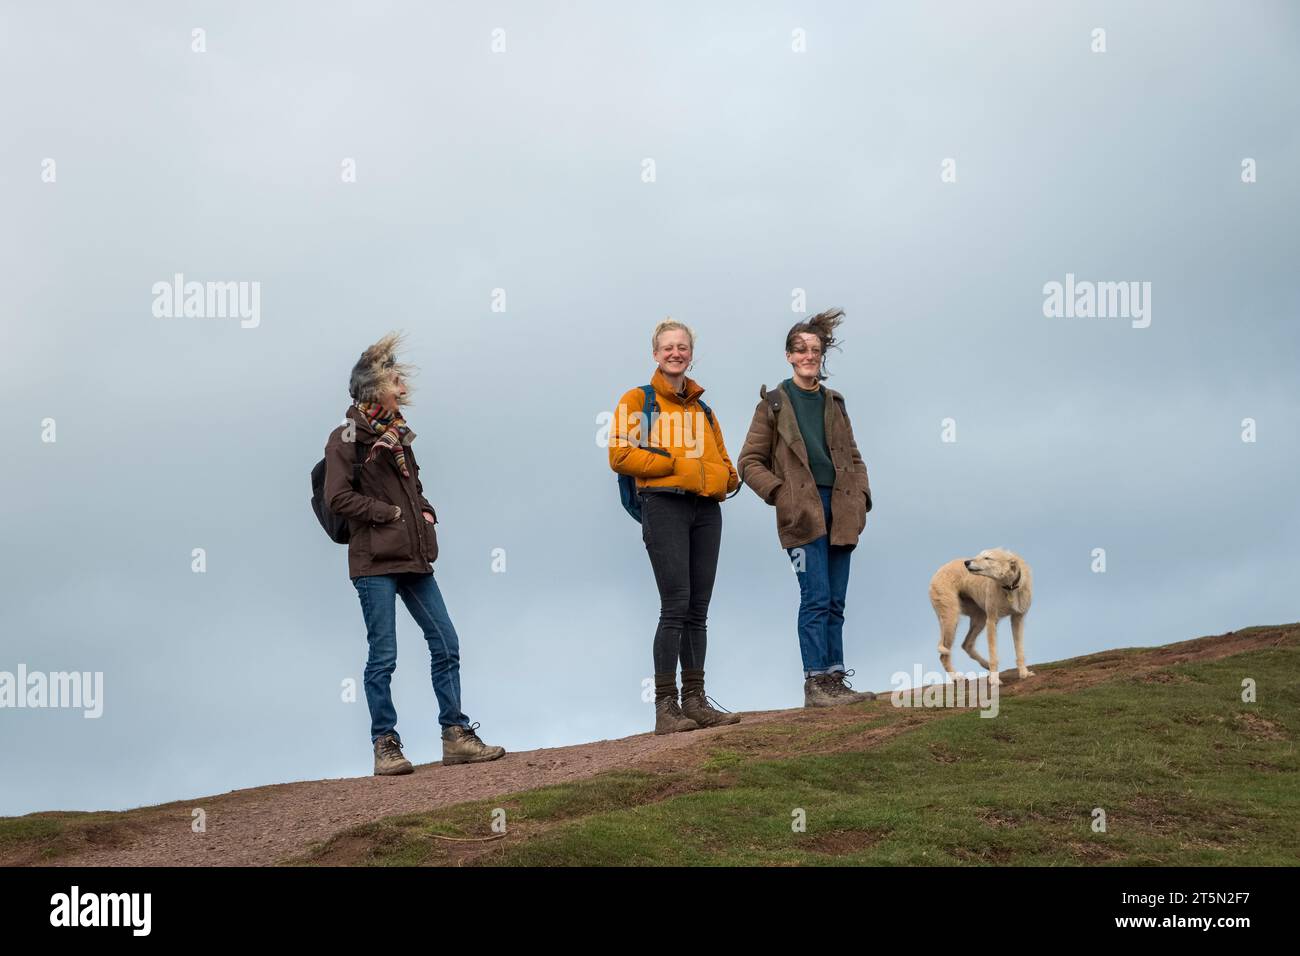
point(977, 619)
point(1018, 634)
point(994, 677)
point(948, 614)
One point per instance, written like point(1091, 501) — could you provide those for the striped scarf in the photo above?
point(392, 429)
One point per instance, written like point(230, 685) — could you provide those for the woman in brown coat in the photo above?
point(373, 480)
point(800, 456)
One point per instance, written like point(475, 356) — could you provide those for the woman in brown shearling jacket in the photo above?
point(800, 455)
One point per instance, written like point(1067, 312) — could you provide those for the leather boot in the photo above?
point(669, 718)
point(817, 692)
point(843, 689)
point(462, 745)
point(695, 703)
point(389, 761)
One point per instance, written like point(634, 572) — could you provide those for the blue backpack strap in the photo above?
point(627, 490)
point(649, 410)
point(707, 411)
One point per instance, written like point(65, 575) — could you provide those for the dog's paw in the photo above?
point(1026, 673)
point(994, 678)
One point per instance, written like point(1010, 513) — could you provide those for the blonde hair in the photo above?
point(372, 376)
point(668, 325)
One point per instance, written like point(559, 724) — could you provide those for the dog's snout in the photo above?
point(967, 563)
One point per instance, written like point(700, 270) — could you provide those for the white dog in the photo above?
point(993, 584)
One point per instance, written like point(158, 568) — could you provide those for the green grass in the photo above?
point(1186, 773)
point(49, 836)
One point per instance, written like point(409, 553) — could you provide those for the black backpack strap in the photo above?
point(774, 397)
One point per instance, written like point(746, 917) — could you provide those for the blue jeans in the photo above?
point(420, 594)
point(823, 583)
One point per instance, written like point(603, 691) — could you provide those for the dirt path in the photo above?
point(265, 825)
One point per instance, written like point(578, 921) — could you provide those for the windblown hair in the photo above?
point(372, 376)
point(668, 325)
point(822, 325)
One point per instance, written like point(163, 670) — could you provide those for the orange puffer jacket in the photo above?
point(684, 452)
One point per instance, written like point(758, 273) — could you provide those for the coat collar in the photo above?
point(693, 388)
point(830, 392)
point(787, 426)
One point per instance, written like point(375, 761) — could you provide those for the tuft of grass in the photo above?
point(48, 836)
point(413, 839)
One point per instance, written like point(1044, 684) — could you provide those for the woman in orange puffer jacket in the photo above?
point(682, 472)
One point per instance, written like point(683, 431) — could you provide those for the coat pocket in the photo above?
point(786, 516)
point(716, 477)
point(688, 474)
point(390, 541)
point(430, 537)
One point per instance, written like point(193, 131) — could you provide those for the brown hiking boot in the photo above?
point(389, 761)
point(818, 692)
point(462, 745)
point(843, 689)
point(669, 718)
point(695, 703)
point(695, 706)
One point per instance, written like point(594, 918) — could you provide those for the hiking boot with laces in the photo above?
point(389, 761)
point(695, 706)
point(841, 688)
point(818, 691)
point(669, 718)
point(462, 745)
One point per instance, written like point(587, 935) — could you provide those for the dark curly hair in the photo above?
point(822, 325)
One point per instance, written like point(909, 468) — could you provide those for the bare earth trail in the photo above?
point(266, 825)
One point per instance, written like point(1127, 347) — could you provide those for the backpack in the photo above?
point(627, 483)
point(335, 525)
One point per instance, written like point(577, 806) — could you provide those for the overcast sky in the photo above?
point(524, 170)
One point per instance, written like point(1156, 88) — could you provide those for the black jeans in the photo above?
point(682, 534)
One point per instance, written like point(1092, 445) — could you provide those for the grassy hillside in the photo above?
point(1158, 738)
point(1186, 772)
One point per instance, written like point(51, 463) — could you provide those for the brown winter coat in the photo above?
point(379, 545)
point(774, 462)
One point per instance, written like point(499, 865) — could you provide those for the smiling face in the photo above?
point(996, 563)
point(806, 359)
point(673, 351)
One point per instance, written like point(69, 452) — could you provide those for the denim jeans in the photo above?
point(823, 583)
point(420, 594)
